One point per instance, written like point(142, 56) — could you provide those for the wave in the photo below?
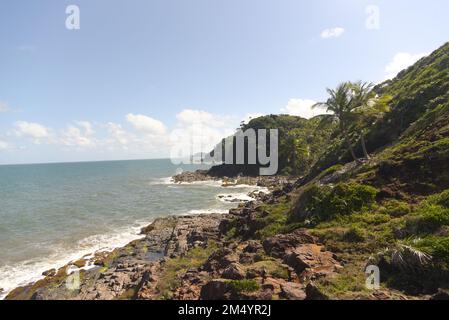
point(29, 271)
point(206, 211)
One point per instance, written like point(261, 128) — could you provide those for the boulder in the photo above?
point(282, 244)
point(234, 271)
point(314, 293)
point(49, 273)
point(217, 289)
point(292, 291)
point(313, 258)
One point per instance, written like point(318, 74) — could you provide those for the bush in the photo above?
point(429, 218)
point(239, 286)
point(395, 208)
point(437, 247)
point(441, 199)
point(432, 214)
point(323, 203)
point(354, 234)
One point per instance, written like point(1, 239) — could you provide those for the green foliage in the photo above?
point(395, 208)
point(274, 219)
point(273, 268)
point(320, 203)
point(245, 285)
point(437, 247)
point(432, 214)
point(331, 170)
point(195, 257)
point(354, 234)
point(301, 143)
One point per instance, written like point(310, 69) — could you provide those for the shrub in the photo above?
point(246, 285)
point(432, 214)
point(441, 199)
point(438, 247)
point(324, 202)
point(354, 234)
point(395, 208)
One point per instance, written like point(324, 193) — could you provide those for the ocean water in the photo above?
point(51, 214)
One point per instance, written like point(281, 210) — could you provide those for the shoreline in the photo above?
point(91, 256)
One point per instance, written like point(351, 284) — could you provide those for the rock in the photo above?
point(216, 289)
point(313, 258)
point(442, 294)
point(220, 260)
point(253, 247)
point(313, 293)
point(49, 273)
point(281, 244)
point(79, 263)
point(235, 271)
point(189, 177)
point(292, 291)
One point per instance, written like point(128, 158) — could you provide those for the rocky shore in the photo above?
point(193, 257)
point(198, 257)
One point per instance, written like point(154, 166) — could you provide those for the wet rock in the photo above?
point(49, 273)
point(189, 177)
point(79, 263)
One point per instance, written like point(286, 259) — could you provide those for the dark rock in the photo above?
point(313, 293)
point(216, 289)
point(442, 294)
point(49, 273)
point(281, 244)
point(292, 291)
point(235, 271)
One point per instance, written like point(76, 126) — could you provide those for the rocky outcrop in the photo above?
point(280, 267)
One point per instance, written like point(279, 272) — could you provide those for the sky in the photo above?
point(137, 77)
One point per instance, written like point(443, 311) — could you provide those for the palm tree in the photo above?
point(347, 104)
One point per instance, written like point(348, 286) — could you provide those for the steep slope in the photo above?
point(301, 143)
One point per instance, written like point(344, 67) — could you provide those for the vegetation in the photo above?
point(391, 209)
point(170, 279)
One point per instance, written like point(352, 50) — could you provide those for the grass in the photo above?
point(242, 286)
point(273, 268)
point(169, 279)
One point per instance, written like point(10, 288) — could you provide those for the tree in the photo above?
point(350, 103)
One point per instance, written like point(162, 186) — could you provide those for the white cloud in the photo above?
point(199, 131)
point(79, 135)
point(34, 130)
point(146, 124)
point(117, 133)
point(302, 108)
point(249, 116)
point(3, 145)
point(4, 107)
point(198, 117)
point(400, 62)
point(332, 32)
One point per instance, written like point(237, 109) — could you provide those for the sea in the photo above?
point(51, 214)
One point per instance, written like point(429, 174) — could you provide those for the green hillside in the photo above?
point(391, 210)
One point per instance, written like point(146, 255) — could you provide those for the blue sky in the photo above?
point(139, 73)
